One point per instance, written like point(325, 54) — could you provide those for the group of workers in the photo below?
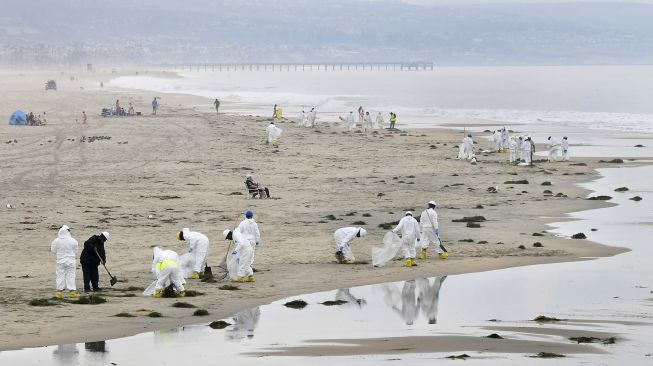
point(520, 148)
point(307, 119)
point(366, 122)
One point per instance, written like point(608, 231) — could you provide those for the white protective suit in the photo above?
point(527, 150)
point(565, 149)
point(198, 247)
point(505, 137)
point(301, 119)
point(379, 121)
point(512, 146)
point(554, 149)
point(65, 248)
point(409, 304)
point(520, 148)
point(466, 149)
point(498, 140)
point(344, 236)
point(368, 122)
point(165, 266)
point(312, 116)
point(429, 297)
point(429, 230)
point(351, 123)
point(409, 228)
point(249, 229)
point(273, 133)
point(242, 256)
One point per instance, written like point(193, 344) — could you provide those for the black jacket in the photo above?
point(89, 257)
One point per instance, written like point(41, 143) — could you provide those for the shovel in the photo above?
point(113, 279)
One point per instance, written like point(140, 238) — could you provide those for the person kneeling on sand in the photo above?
point(65, 248)
point(240, 262)
point(165, 265)
point(198, 248)
point(344, 236)
point(255, 188)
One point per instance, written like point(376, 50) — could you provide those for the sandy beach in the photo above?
point(147, 177)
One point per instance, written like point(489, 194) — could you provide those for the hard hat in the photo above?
point(65, 227)
point(409, 213)
point(226, 233)
point(249, 214)
point(432, 203)
point(362, 232)
point(105, 234)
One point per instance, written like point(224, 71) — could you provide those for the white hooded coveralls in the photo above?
point(379, 121)
point(273, 133)
point(368, 122)
point(429, 297)
point(409, 228)
point(505, 137)
point(242, 255)
point(467, 149)
point(312, 116)
point(554, 149)
point(249, 229)
point(565, 150)
point(165, 266)
point(302, 117)
point(198, 246)
point(527, 151)
point(344, 236)
point(65, 248)
point(512, 145)
point(351, 123)
point(429, 230)
point(498, 140)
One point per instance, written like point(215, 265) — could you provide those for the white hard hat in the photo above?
point(105, 234)
point(432, 203)
point(362, 232)
point(409, 213)
point(65, 227)
point(225, 233)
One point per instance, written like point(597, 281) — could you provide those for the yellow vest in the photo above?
point(165, 263)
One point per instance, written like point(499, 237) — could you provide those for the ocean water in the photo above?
point(603, 98)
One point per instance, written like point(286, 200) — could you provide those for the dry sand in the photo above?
point(186, 168)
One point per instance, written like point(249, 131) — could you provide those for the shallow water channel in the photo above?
point(609, 296)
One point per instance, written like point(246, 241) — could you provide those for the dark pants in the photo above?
point(91, 276)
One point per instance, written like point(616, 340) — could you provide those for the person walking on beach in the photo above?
point(217, 105)
point(361, 115)
point(505, 136)
point(430, 232)
point(274, 111)
point(379, 121)
point(512, 147)
point(64, 248)
point(409, 228)
point(368, 121)
point(92, 255)
point(118, 108)
point(351, 123)
point(155, 106)
point(312, 116)
point(393, 119)
point(554, 149)
point(301, 119)
point(249, 229)
point(529, 148)
point(84, 119)
point(565, 149)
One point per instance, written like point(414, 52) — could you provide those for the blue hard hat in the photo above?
point(249, 214)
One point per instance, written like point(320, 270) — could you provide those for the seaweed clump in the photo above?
point(470, 219)
point(463, 356)
point(579, 236)
point(548, 355)
point(200, 312)
point(220, 324)
point(333, 303)
point(90, 300)
point(180, 304)
point(41, 302)
point(546, 319)
point(296, 304)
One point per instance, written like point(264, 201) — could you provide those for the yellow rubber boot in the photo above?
point(238, 279)
point(195, 276)
point(444, 255)
point(73, 294)
point(158, 293)
point(413, 262)
point(423, 254)
point(250, 279)
point(408, 263)
point(348, 261)
point(59, 295)
point(182, 294)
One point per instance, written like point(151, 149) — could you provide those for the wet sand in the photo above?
point(186, 168)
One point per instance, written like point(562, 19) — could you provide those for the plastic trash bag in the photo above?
point(187, 264)
point(391, 244)
point(232, 265)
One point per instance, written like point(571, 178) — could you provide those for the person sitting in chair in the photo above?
point(255, 188)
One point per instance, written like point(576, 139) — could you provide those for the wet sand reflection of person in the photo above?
point(245, 323)
point(344, 294)
point(66, 355)
point(429, 297)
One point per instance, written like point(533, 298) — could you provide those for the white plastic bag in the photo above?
point(391, 244)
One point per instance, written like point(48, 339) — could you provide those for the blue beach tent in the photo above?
point(18, 118)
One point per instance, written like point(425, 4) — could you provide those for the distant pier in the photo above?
point(321, 66)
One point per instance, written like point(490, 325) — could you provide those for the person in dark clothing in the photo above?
point(255, 189)
point(92, 255)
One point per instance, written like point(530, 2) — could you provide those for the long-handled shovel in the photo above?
point(113, 279)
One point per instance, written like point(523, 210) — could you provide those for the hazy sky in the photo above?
point(465, 2)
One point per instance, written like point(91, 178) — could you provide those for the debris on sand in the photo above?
point(546, 319)
point(613, 161)
point(207, 279)
point(180, 304)
point(473, 225)
point(521, 181)
point(494, 336)
point(470, 219)
point(521, 247)
point(600, 198)
point(609, 340)
point(125, 315)
point(639, 145)
point(546, 191)
point(547, 183)
point(561, 195)
point(636, 198)
point(330, 217)
point(193, 293)
point(547, 355)
point(228, 288)
point(90, 300)
point(622, 189)
point(538, 234)
point(155, 314)
point(236, 193)
point(333, 303)
point(296, 304)
point(463, 356)
point(41, 302)
point(388, 225)
point(200, 312)
point(492, 190)
point(359, 223)
point(367, 215)
point(353, 213)
point(220, 324)
point(466, 240)
point(483, 242)
point(479, 206)
point(537, 244)
point(579, 236)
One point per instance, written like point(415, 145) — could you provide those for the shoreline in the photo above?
point(298, 274)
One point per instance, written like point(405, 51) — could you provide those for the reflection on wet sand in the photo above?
point(66, 354)
point(408, 305)
point(244, 325)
